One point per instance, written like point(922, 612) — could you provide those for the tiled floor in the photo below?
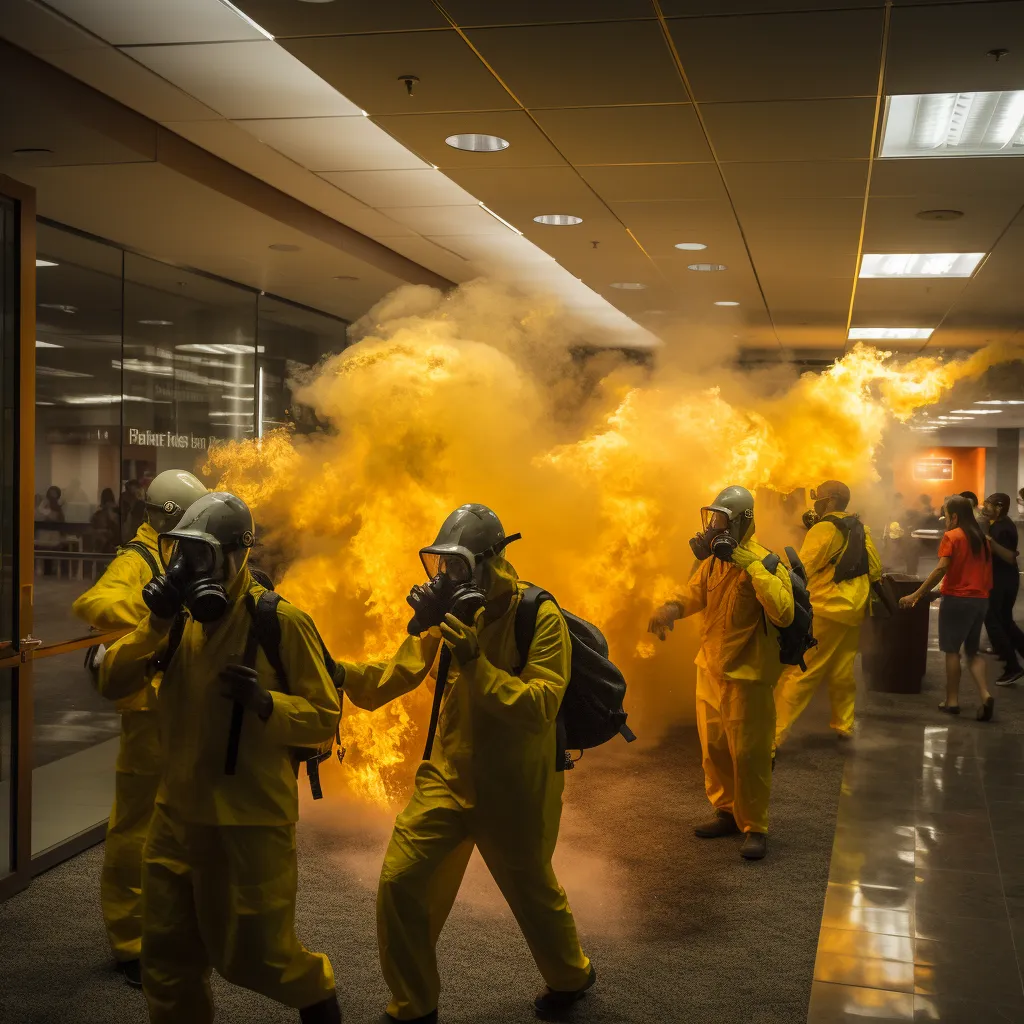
point(924, 916)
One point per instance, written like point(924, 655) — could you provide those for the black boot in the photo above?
point(427, 1018)
point(722, 824)
point(325, 1012)
point(132, 971)
point(551, 1001)
point(755, 846)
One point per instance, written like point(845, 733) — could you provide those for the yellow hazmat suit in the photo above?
point(839, 610)
point(491, 783)
point(737, 666)
point(219, 869)
point(115, 602)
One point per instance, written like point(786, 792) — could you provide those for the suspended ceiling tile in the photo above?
point(367, 69)
point(892, 224)
point(944, 48)
point(39, 30)
point(437, 258)
point(700, 215)
point(318, 19)
point(781, 56)
point(425, 187)
point(583, 64)
point(699, 8)
point(472, 13)
point(655, 182)
point(533, 189)
point(435, 220)
point(913, 303)
point(127, 22)
point(825, 295)
point(425, 134)
point(962, 176)
point(797, 130)
point(840, 215)
point(627, 135)
point(797, 180)
point(324, 144)
point(510, 249)
point(830, 335)
point(245, 80)
point(774, 260)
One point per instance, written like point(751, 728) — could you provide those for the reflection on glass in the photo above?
point(75, 750)
point(6, 769)
point(9, 341)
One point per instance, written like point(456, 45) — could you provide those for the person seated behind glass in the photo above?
point(51, 508)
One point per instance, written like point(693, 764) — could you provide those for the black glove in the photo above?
point(700, 547)
point(809, 518)
point(242, 685)
point(165, 594)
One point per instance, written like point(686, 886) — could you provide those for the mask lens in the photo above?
point(456, 569)
point(168, 547)
point(713, 520)
point(431, 562)
point(198, 556)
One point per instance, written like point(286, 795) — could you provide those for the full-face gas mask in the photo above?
point(725, 524)
point(203, 555)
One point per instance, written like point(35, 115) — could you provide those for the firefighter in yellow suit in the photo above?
point(115, 602)
point(491, 781)
point(737, 665)
point(219, 871)
point(835, 540)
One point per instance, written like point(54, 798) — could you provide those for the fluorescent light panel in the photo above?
point(500, 219)
point(920, 264)
point(946, 124)
point(890, 333)
point(245, 17)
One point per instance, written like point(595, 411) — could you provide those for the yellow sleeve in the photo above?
point(774, 591)
point(371, 685)
point(308, 714)
point(127, 666)
point(694, 597)
point(532, 699)
point(874, 561)
point(814, 552)
point(114, 601)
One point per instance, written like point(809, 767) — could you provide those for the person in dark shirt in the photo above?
point(1006, 636)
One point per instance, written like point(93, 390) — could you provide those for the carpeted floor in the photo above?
point(679, 929)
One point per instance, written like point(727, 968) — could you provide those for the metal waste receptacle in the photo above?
point(894, 648)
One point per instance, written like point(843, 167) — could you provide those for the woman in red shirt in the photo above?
point(965, 568)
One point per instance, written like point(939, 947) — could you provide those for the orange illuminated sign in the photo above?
point(933, 469)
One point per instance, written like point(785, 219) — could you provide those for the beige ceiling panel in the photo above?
point(627, 135)
point(437, 258)
point(425, 134)
point(798, 180)
point(39, 30)
point(655, 182)
point(829, 296)
point(284, 19)
point(909, 303)
point(675, 268)
point(701, 215)
point(124, 22)
point(435, 220)
point(781, 56)
point(507, 248)
point(242, 80)
point(829, 336)
point(472, 13)
point(575, 249)
point(698, 8)
point(960, 176)
point(775, 130)
point(425, 187)
point(842, 216)
point(334, 143)
point(943, 48)
point(367, 70)
point(583, 64)
point(531, 189)
point(778, 258)
point(892, 224)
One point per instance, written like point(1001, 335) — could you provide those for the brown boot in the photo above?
point(722, 824)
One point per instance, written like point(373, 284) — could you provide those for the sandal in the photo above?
point(986, 709)
point(950, 709)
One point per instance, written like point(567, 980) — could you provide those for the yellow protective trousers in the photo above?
point(135, 785)
point(736, 723)
point(831, 660)
point(223, 897)
point(430, 847)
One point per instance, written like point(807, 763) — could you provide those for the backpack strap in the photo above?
point(162, 661)
point(771, 563)
point(526, 622)
point(144, 553)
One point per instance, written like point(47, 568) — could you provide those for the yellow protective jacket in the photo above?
point(114, 601)
point(734, 643)
point(495, 746)
point(195, 718)
point(844, 602)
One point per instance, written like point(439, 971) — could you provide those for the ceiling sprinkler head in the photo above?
point(998, 54)
point(410, 82)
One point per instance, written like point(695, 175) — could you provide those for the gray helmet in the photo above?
point(169, 495)
point(738, 504)
point(219, 521)
point(470, 535)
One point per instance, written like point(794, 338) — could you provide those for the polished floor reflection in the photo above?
point(924, 915)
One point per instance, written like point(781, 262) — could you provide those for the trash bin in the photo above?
point(894, 649)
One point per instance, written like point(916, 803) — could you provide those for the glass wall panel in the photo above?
point(7, 830)
point(10, 331)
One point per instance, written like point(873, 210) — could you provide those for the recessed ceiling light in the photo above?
point(939, 214)
point(950, 419)
point(61, 307)
point(920, 264)
point(46, 263)
point(944, 124)
point(284, 247)
point(707, 267)
point(157, 323)
point(474, 143)
point(980, 412)
point(629, 286)
point(690, 246)
point(999, 401)
point(730, 303)
point(46, 344)
point(560, 220)
point(890, 333)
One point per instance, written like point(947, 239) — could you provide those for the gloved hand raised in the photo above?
point(744, 557)
point(663, 619)
point(242, 685)
point(462, 639)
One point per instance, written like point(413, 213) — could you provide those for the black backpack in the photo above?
point(796, 639)
point(852, 560)
point(591, 711)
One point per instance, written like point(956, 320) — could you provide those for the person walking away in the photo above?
point(1006, 636)
point(219, 870)
point(115, 602)
point(965, 569)
point(489, 780)
point(841, 563)
point(737, 665)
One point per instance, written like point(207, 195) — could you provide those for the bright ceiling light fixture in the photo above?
point(46, 263)
point(1000, 401)
point(245, 17)
point(954, 124)
point(980, 412)
point(920, 264)
point(475, 143)
point(499, 218)
point(726, 303)
point(558, 220)
point(46, 344)
point(157, 323)
point(707, 268)
point(690, 246)
point(890, 333)
point(629, 286)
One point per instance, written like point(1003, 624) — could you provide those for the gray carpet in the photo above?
point(680, 930)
